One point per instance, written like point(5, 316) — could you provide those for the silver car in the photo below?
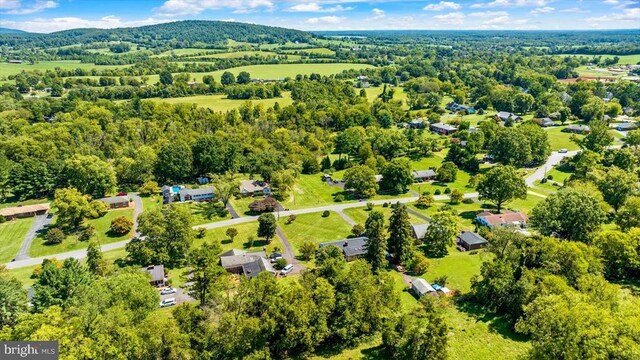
point(168, 302)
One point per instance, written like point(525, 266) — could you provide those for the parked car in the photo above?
point(49, 215)
point(563, 151)
point(275, 257)
point(168, 302)
point(121, 193)
point(167, 291)
point(287, 269)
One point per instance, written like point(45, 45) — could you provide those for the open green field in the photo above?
point(11, 235)
point(203, 213)
point(314, 228)
point(562, 140)
point(221, 103)
point(11, 69)
point(624, 59)
point(245, 232)
point(310, 191)
point(399, 94)
point(360, 215)
point(38, 248)
point(318, 51)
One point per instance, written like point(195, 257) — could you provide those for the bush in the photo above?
point(87, 233)
point(280, 263)
point(549, 177)
point(467, 201)
point(338, 198)
point(121, 226)
point(326, 213)
point(290, 219)
point(385, 205)
point(55, 236)
point(201, 233)
point(543, 181)
point(97, 209)
point(2, 219)
point(357, 230)
point(231, 233)
point(442, 280)
point(437, 192)
point(369, 206)
point(420, 264)
point(447, 191)
point(426, 193)
point(268, 204)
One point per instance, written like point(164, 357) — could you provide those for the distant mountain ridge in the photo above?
point(178, 34)
point(11, 31)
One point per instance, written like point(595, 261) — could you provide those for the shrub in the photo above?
point(549, 177)
point(437, 192)
point(87, 233)
point(290, 219)
point(543, 181)
point(442, 280)
point(326, 213)
point(55, 236)
point(338, 198)
point(307, 249)
point(420, 264)
point(467, 201)
point(357, 230)
point(447, 191)
point(231, 233)
point(385, 205)
point(201, 233)
point(426, 193)
point(267, 204)
point(425, 201)
point(280, 263)
point(2, 219)
point(121, 226)
point(369, 206)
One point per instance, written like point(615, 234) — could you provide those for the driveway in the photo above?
point(137, 210)
point(554, 159)
point(39, 224)
point(181, 296)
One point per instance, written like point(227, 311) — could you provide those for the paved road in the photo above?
point(554, 159)
point(39, 223)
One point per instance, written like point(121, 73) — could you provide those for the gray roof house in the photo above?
point(254, 187)
point(471, 241)
point(157, 274)
point(577, 129)
point(442, 128)
point(352, 249)
point(421, 287)
point(116, 202)
point(626, 126)
point(419, 231)
point(546, 122)
point(424, 175)
point(505, 115)
point(201, 194)
point(250, 264)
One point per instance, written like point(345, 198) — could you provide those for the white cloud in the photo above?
point(315, 7)
point(575, 10)
point(377, 14)
point(611, 2)
point(443, 5)
point(15, 7)
point(64, 23)
point(631, 15)
point(512, 3)
point(486, 14)
point(175, 8)
point(326, 20)
point(454, 18)
point(542, 10)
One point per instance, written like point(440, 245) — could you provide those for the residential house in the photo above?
point(15, 61)
point(515, 219)
point(170, 193)
point(626, 126)
point(424, 175)
point(249, 264)
point(352, 249)
point(505, 115)
point(418, 123)
point(471, 241)
point(201, 194)
point(454, 106)
point(546, 122)
point(577, 129)
point(157, 275)
point(16, 212)
point(116, 202)
point(254, 187)
point(421, 287)
point(443, 129)
point(419, 231)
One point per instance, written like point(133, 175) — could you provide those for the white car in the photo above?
point(168, 302)
point(563, 151)
point(167, 291)
point(287, 269)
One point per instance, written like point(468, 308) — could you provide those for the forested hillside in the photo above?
point(179, 34)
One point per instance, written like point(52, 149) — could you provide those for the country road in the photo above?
point(539, 174)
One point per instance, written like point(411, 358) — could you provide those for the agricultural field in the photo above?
point(220, 102)
point(102, 235)
point(317, 51)
point(12, 69)
point(12, 234)
point(624, 59)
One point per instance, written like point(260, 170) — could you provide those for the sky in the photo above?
point(55, 15)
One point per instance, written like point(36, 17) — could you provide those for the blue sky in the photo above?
point(54, 15)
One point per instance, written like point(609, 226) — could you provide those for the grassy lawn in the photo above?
point(245, 231)
point(241, 204)
point(561, 140)
point(318, 51)
point(360, 215)
point(466, 212)
point(151, 202)
point(38, 248)
point(221, 103)
point(11, 203)
point(314, 228)
point(11, 236)
point(310, 191)
point(459, 267)
point(203, 213)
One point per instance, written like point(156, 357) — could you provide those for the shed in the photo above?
point(419, 231)
point(471, 241)
point(421, 287)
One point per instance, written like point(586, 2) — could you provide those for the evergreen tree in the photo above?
point(400, 242)
point(95, 261)
point(377, 244)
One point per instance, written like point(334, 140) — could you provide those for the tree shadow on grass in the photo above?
point(210, 210)
point(497, 323)
point(226, 241)
point(255, 243)
point(334, 350)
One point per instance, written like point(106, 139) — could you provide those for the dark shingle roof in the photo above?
point(350, 247)
point(472, 238)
